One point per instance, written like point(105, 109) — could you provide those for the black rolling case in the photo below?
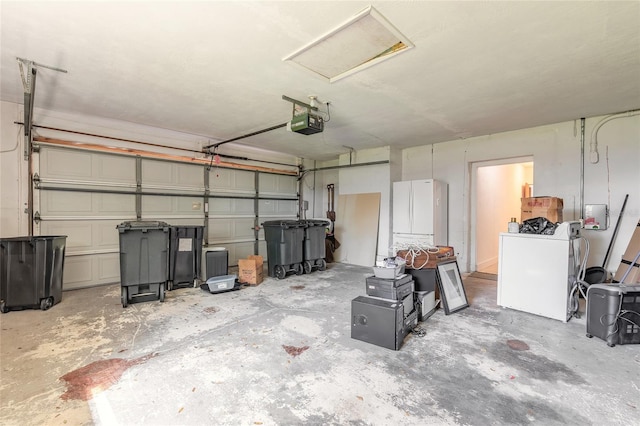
point(613, 313)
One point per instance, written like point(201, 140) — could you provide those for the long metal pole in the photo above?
point(28, 113)
point(372, 163)
point(582, 120)
point(215, 145)
point(615, 231)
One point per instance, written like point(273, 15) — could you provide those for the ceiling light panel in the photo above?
point(363, 41)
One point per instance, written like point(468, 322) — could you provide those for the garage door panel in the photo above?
point(79, 234)
point(161, 205)
point(106, 234)
point(220, 229)
point(268, 183)
point(172, 175)
point(89, 270)
point(287, 207)
point(278, 184)
point(111, 168)
point(152, 205)
point(65, 203)
point(78, 271)
point(239, 251)
point(157, 172)
point(220, 179)
point(108, 268)
point(229, 180)
point(189, 175)
point(230, 229)
point(243, 207)
point(221, 206)
point(83, 235)
point(287, 184)
point(191, 206)
point(59, 163)
point(228, 207)
point(278, 207)
point(267, 207)
point(62, 203)
point(114, 204)
point(244, 180)
point(243, 228)
point(66, 164)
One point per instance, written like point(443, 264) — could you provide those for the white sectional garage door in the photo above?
point(89, 219)
point(81, 195)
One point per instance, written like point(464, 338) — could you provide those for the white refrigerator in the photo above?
point(420, 213)
point(536, 272)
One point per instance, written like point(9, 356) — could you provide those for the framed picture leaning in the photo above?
point(451, 288)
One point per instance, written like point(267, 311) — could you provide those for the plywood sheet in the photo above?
point(356, 228)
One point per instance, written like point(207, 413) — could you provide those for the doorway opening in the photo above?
point(497, 187)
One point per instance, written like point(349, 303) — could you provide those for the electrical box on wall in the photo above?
point(595, 216)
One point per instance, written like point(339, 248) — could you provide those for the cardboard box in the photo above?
point(547, 207)
point(627, 258)
point(424, 259)
point(250, 270)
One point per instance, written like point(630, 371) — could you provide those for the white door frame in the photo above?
point(471, 235)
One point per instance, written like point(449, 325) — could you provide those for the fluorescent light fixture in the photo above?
point(361, 42)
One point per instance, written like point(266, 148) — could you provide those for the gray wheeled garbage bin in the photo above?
point(284, 247)
point(31, 270)
point(144, 260)
point(314, 245)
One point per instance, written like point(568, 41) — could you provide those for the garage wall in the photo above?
point(556, 152)
point(369, 179)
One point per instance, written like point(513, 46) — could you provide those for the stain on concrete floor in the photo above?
point(85, 382)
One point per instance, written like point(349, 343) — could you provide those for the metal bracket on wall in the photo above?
point(138, 187)
point(28, 77)
point(207, 192)
point(256, 210)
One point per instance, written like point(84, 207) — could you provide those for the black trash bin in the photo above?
point(314, 247)
point(144, 260)
point(31, 270)
point(284, 247)
point(185, 255)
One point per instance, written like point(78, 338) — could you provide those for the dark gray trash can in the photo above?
point(31, 272)
point(185, 256)
point(144, 260)
point(215, 262)
point(284, 247)
point(315, 231)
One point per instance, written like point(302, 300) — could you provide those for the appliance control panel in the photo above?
point(568, 230)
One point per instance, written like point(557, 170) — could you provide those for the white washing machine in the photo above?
point(536, 272)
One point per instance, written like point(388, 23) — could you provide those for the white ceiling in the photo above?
point(215, 68)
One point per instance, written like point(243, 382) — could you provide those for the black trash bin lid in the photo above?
point(142, 224)
point(283, 224)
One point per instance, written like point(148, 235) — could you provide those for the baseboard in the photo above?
point(487, 263)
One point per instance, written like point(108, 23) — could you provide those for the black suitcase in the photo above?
point(392, 289)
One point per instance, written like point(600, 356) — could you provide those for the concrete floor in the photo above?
point(240, 358)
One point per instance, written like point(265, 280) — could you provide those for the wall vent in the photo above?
point(363, 41)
